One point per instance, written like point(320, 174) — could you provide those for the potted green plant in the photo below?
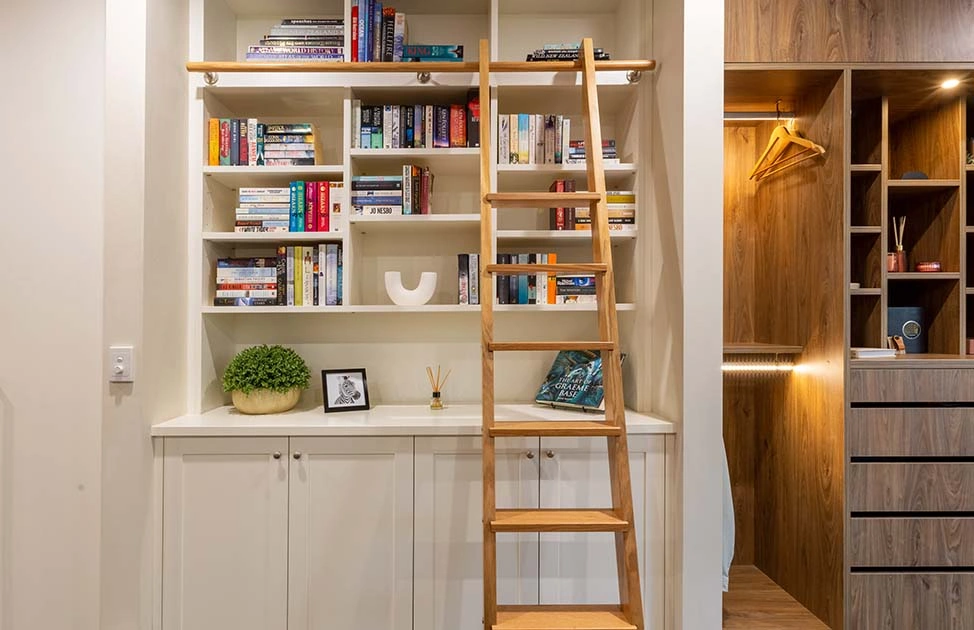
point(266, 379)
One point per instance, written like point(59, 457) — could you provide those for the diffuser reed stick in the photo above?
point(436, 383)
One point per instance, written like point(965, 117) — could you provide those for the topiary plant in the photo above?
point(275, 368)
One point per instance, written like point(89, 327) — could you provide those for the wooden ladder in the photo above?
point(628, 614)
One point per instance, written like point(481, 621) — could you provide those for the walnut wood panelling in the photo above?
point(940, 300)
point(901, 487)
point(775, 31)
point(911, 542)
point(867, 132)
point(868, 259)
point(925, 601)
point(866, 321)
point(761, 91)
point(867, 200)
point(788, 229)
point(932, 229)
point(743, 403)
point(909, 432)
point(904, 385)
point(928, 141)
point(754, 602)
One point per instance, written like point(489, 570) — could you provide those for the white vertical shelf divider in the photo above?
point(348, 266)
point(194, 206)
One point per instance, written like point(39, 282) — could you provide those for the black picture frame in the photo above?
point(357, 394)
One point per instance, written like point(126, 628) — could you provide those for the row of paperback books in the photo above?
point(532, 138)
point(416, 126)
point(564, 52)
point(576, 152)
point(301, 207)
point(620, 204)
point(302, 39)
point(541, 288)
point(300, 275)
point(249, 142)
point(379, 33)
point(388, 195)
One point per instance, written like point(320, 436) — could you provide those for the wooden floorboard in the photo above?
point(754, 602)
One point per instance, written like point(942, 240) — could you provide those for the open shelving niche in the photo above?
point(898, 127)
point(394, 343)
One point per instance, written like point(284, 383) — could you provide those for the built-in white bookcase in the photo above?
point(395, 344)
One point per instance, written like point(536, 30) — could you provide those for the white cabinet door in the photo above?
point(449, 530)
point(581, 568)
point(225, 534)
point(351, 533)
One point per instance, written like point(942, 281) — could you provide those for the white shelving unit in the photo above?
point(367, 329)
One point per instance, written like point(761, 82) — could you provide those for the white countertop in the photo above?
point(462, 419)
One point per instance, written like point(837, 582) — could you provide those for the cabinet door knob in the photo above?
point(277, 454)
point(529, 454)
point(550, 454)
point(297, 454)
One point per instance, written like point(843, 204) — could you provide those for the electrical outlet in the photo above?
point(121, 364)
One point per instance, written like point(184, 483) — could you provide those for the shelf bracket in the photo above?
point(211, 78)
point(633, 76)
point(423, 77)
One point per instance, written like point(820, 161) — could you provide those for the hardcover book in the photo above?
point(574, 380)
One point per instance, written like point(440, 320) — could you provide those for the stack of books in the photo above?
point(390, 195)
point(564, 52)
point(417, 126)
point(533, 138)
point(315, 206)
point(621, 205)
point(468, 278)
point(246, 282)
point(576, 152)
point(379, 33)
point(302, 39)
point(249, 142)
point(263, 210)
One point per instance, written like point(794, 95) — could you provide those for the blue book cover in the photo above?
point(293, 211)
point(261, 129)
point(574, 380)
point(376, 31)
point(522, 281)
point(234, 142)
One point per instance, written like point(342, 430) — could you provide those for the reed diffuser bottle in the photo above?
point(436, 399)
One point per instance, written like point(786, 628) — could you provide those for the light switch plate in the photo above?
point(121, 364)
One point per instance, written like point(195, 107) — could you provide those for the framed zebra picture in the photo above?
point(345, 390)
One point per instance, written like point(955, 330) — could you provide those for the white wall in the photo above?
point(51, 175)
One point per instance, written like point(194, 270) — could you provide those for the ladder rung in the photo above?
point(555, 428)
point(542, 199)
point(536, 346)
point(557, 521)
point(560, 268)
point(577, 617)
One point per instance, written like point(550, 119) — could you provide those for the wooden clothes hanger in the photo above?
point(773, 160)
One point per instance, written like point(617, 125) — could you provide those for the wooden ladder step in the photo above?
point(538, 346)
point(561, 618)
point(556, 269)
point(554, 428)
point(542, 199)
point(558, 521)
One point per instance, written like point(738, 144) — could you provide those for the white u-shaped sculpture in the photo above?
point(410, 297)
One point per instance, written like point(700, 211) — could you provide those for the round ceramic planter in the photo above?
point(262, 401)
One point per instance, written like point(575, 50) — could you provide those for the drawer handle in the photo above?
point(277, 454)
point(529, 454)
point(297, 454)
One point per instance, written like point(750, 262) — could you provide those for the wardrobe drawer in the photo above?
point(911, 601)
point(911, 542)
point(922, 487)
point(929, 431)
point(911, 385)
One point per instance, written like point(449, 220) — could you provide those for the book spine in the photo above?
point(569, 212)
point(522, 281)
point(339, 283)
point(387, 126)
point(316, 286)
point(473, 118)
point(251, 142)
point(244, 301)
point(426, 190)
point(355, 19)
point(307, 277)
point(523, 139)
point(224, 142)
point(502, 281)
point(336, 197)
point(417, 189)
point(396, 138)
point(234, 142)
point(515, 141)
point(356, 123)
point(311, 206)
point(474, 281)
point(441, 137)
point(388, 33)
point(450, 52)
point(244, 158)
point(323, 208)
point(532, 139)
point(463, 271)
point(503, 139)
point(419, 137)
point(407, 189)
point(566, 125)
point(256, 293)
point(541, 282)
point(376, 32)
point(331, 281)
point(549, 139)
point(556, 216)
point(559, 158)
point(293, 208)
point(398, 36)
point(213, 142)
point(532, 281)
point(302, 207)
point(409, 127)
point(458, 126)
point(552, 260)
point(512, 282)
point(539, 139)
point(429, 127)
point(261, 129)
point(291, 275)
point(379, 210)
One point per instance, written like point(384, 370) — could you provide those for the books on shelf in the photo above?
point(249, 142)
point(300, 275)
point(468, 278)
point(301, 207)
point(380, 33)
point(302, 39)
point(576, 152)
point(417, 126)
point(574, 380)
point(533, 138)
point(393, 195)
point(620, 205)
point(564, 52)
point(872, 353)
point(541, 288)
